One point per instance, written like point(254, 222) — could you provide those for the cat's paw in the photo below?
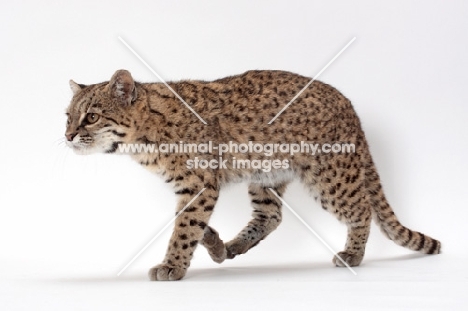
point(210, 237)
point(214, 245)
point(236, 247)
point(165, 272)
point(352, 259)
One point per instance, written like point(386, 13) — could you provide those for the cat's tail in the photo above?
point(388, 222)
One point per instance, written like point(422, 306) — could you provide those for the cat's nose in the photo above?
point(70, 136)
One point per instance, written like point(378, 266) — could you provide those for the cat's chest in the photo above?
point(153, 162)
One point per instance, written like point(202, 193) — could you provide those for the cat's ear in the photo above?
point(122, 87)
point(75, 87)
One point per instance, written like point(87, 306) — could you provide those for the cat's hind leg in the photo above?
point(358, 232)
point(338, 182)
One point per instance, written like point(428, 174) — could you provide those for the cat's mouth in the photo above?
point(86, 149)
point(81, 149)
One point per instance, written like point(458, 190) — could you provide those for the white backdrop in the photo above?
point(69, 223)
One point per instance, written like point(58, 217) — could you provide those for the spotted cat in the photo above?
point(240, 109)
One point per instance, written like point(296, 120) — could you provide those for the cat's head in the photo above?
point(100, 115)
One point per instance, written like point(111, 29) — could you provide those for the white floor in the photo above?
point(408, 281)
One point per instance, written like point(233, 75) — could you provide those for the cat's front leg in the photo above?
point(214, 245)
point(188, 231)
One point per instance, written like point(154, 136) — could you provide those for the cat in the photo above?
point(240, 111)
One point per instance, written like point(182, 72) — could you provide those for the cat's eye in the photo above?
point(92, 118)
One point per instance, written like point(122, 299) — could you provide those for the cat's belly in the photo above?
point(266, 179)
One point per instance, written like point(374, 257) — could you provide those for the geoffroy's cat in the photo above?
point(238, 111)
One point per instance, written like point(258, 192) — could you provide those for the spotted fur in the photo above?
point(103, 116)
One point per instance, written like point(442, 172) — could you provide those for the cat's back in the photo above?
point(240, 108)
point(243, 105)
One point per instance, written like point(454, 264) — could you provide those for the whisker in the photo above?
point(58, 142)
point(59, 139)
point(58, 163)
